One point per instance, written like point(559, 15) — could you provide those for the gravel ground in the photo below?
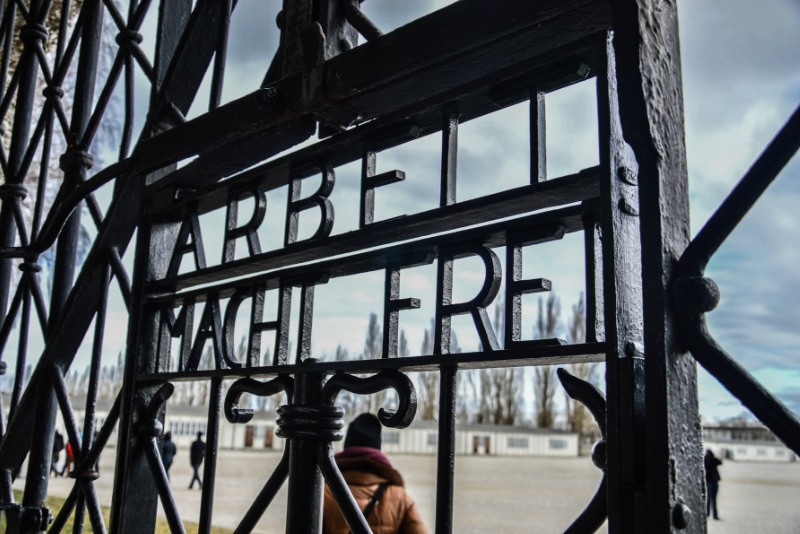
point(493, 494)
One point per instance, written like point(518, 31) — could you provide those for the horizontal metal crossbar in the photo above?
point(554, 354)
point(539, 196)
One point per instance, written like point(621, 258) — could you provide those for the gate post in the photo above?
point(646, 42)
point(304, 512)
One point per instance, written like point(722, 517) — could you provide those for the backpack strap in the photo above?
point(373, 501)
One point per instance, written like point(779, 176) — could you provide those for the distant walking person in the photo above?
point(712, 481)
point(68, 462)
point(58, 446)
point(196, 455)
point(168, 450)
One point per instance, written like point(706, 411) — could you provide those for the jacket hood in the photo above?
point(364, 471)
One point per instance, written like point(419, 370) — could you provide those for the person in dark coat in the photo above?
point(196, 455)
point(168, 451)
point(376, 486)
point(58, 446)
point(711, 463)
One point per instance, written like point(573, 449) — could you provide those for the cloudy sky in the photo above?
point(741, 83)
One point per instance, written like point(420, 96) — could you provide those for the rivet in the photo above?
point(681, 516)
point(628, 208)
point(600, 454)
point(627, 175)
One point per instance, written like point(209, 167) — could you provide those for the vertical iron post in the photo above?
point(646, 42)
point(75, 162)
point(446, 455)
point(304, 513)
point(28, 70)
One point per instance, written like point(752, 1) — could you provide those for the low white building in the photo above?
point(736, 443)
point(746, 444)
point(751, 451)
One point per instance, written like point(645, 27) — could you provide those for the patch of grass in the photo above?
point(55, 504)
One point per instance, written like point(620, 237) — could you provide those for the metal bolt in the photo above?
point(627, 175)
point(628, 208)
point(600, 454)
point(681, 516)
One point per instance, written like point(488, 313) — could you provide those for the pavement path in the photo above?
point(493, 494)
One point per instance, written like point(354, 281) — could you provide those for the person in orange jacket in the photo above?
point(377, 487)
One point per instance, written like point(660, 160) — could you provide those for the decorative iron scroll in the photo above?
point(596, 512)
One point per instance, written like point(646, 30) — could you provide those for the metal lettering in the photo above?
point(445, 309)
point(248, 231)
point(320, 198)
point(190, 228)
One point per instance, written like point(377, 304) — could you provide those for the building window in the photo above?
point(518, 443)
point(741, 451)
point(761, 452)
point(391, 438)
point(433, 439)
point(558, 444)
point(779, 452)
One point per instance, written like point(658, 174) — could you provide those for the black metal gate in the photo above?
point(646, 295)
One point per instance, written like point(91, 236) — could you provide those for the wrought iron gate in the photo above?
point(644, 282)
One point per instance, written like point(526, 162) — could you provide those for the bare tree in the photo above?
point(373, 347)
point(346, 400)
point(428, 381)
point(494, 395)
point(374, 342)
point(544, 377)
point(578, 417)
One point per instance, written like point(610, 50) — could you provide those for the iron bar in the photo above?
point(41, 450)
point(356, 17)
point(22, 350)
point(517, 201)
point(92, 505)
point(94, 368)
point(566, 220)
point(210, 468)
point(741, 384)
point(105, 433)
point(265, 496)
point(27, 70)
point(122, 276)
point(538, 128)
point(746, 193)
point(450, 118)
point(622, 279)
point(220, 53)
point(127, 127)
point(446, 449)
point(70, 424)
point(304, 513)
point(168, 503)
point(340, 490)
point(80, 513)
point(542, 355)
point(9, 21)
point(11, 316)
point(650, 97)
point(65, 513)
point(76, 162)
